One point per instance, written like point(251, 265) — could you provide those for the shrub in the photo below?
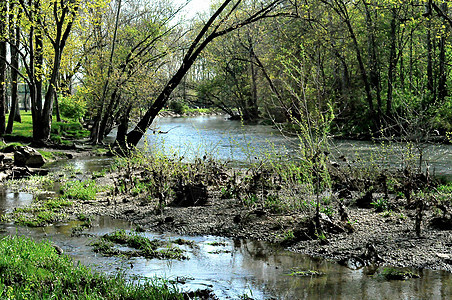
point(72, 107)
point(178, 107)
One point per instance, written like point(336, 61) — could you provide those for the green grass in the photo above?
point(32, 270)
point(40, 213)
point(70, 129)
point(25, 128)
point(83, 190)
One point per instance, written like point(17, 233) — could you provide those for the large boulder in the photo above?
point(27, 156)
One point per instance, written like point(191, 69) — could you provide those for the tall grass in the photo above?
point(31, 270)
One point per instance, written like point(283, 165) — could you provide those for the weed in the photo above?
point(321, 236)
point(397, 274)
point(218, 244)
point(380, 205)
point(82, 190)
point(327, 210)
point(306, 273)
point(288, 236)
point(142, 245)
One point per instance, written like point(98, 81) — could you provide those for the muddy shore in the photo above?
point(390, 235)
point(368, 237)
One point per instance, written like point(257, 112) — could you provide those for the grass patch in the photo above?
point(82, 190)
point(51, 155)
point(306, 273)
point(40, 213)
point(33, 270)
point(142, 246)
point(69, 129)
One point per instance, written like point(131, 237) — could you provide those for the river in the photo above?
point(234, 267)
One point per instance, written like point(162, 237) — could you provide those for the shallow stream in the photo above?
point(233, 268)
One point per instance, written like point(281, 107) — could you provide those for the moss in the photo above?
point(397, 274)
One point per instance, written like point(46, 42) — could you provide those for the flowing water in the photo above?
point(233, 268)
point(241, 144)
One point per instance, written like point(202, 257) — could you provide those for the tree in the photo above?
point(216, 26)
point(3, 26)
point(121, 70)
point(14, 29)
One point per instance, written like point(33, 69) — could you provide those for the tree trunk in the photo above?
point(392, 63)
point(442, 89)
point(123, 126)
point(15, 112)
point(3, 13)
point(57, 108)
point(252, 107)
point(196, 47)
point(374, 73)
point(430, 85)
point(97, 135)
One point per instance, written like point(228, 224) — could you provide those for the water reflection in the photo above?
point(11, 200)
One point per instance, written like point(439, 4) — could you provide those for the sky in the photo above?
point(195, 6)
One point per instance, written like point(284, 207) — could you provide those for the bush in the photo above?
point(178, 107)
point(72, 107)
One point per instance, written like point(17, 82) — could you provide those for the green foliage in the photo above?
point(144, 246)
point(72, 107)
point(68, 129)
point(81, 190)
point(33, 270)
point(397, 274)
point(288, 236)
point(178, 107)
point(380, 205)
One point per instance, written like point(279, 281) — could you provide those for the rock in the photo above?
point(447, 258)
point(3, 176)
point(9, 149)
point(58, 249)
point(19, 172)
point(27, 156)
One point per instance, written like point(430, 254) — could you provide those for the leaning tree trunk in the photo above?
point(196, 47)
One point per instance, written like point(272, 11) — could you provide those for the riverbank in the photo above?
point(356, 229)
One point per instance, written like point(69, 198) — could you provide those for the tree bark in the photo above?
point(374, 73)
point(101, 120)
point(442, 89)
point(14, 46)
point(392, 62)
